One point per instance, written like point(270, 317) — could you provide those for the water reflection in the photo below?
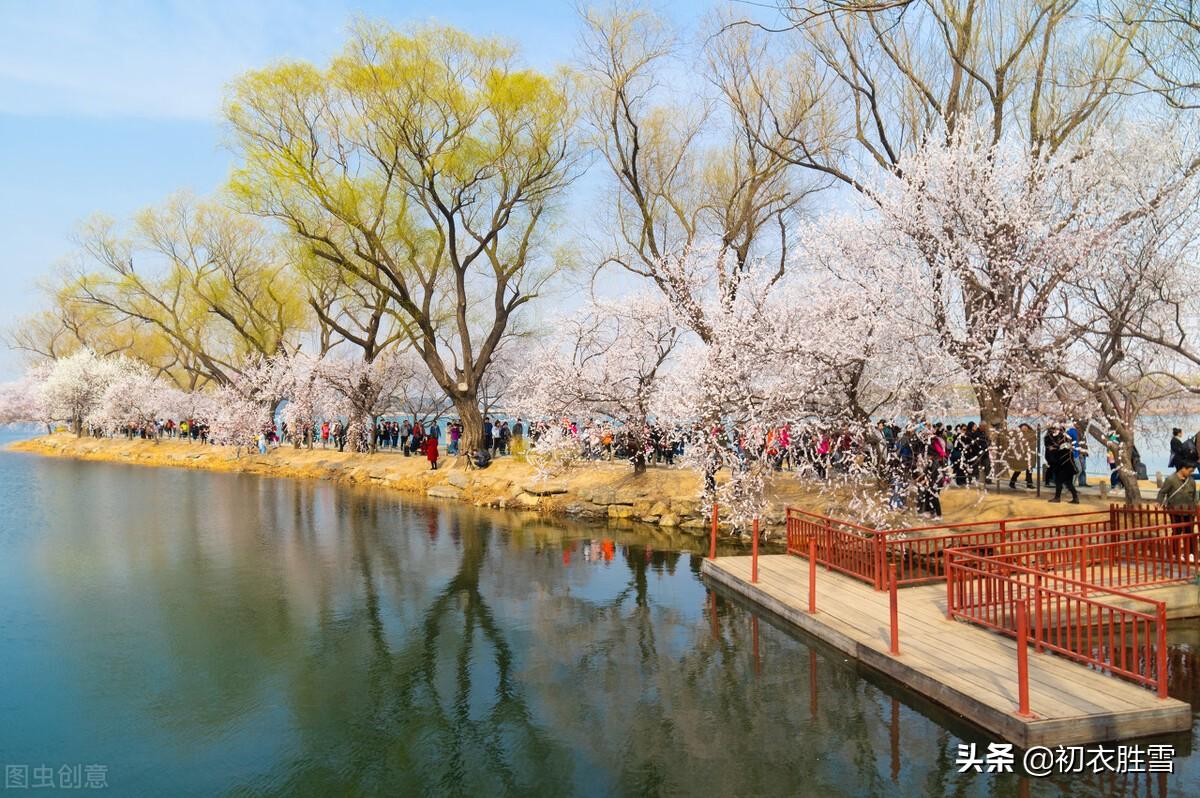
point(233, 634)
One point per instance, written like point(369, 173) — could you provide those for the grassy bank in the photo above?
point(667, 497)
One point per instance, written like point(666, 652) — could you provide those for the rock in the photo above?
point(650, 519)
point(625, 497)
point(498, 484)
point(444, 492)
point(458, 479)
point(585, 494)
point(694, 523)
point(547, 488)
point(585, 508)
point(686, 507)
point(659, 509)
point(668, 519)
point(527, 500)
point(602, 496)
point(620, 511)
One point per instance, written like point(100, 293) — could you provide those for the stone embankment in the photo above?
point(666, 497)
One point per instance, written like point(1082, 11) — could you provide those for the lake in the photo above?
point(192, 633)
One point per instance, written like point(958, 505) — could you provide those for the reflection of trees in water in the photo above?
point(658, 704)
point(319, 619)
point(441, 711)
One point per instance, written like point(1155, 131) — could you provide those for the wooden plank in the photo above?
point(933, 632)
point(980, 649)
point(1075, 704)
point(1047, 687)
point(1002, 645)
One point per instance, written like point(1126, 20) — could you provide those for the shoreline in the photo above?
point(663, 496)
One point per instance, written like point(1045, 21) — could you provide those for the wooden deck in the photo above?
point(963, 667)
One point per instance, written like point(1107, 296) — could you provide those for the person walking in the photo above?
point(418, 437)
point(1020, 451)
point(1079, 452)
point(1178, 497)
point(518, 439)
point(1061, 462)
point(1178, 449)
point(430, 445)
point(928, 473)
point(504, 438)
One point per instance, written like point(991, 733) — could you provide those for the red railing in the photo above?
point(840, 545)
point(920, 556)
point(1145, 515)
point(917, 552)
point(1123, 558)
point(1075, 619)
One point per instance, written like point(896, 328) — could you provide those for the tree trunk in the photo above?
point(471, 439)
point(993, 411)
point(1128, 473)
point(993, 406)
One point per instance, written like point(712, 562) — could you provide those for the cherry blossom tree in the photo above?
point(363, 391)
point(556, 451)
point(298, 379)
point(998, 230)
point(73, 387)
point(607, 359)
point(236, 417)
point(1131, 317)
point(135, 398)
point(20, 400)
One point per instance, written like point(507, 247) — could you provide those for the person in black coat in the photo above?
point(1061, 462)
point(1178, 449)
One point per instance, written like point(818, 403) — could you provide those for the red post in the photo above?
point(1022, 662)
point(1160, 652)
point(712, 541)
point(879, 560)
point(812, 575)
point(1037, 612)
point(754, 553)
point(949, 585)
point(1083, 564)
point(895, 615)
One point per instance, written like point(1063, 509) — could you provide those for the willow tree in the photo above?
point(189, 287)
point(422, 164)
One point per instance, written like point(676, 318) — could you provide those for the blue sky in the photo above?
point(110, 106)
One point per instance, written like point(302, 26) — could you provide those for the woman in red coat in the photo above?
point(431, 451)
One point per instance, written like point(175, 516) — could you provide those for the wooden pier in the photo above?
point(971, 671)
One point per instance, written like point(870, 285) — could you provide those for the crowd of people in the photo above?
point(916, 460)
